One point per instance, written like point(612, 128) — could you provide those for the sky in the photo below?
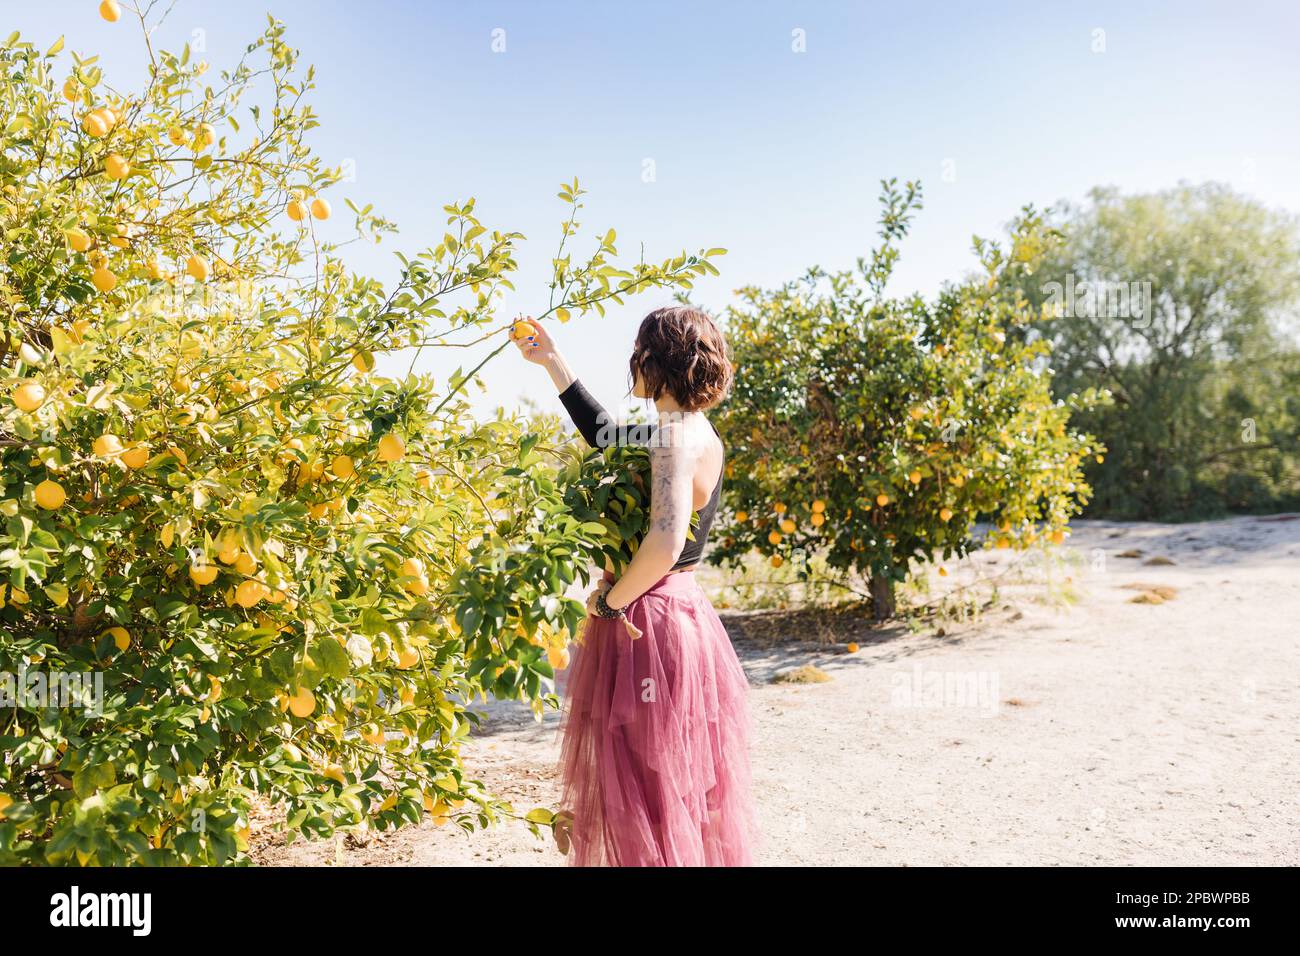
point(761, 127)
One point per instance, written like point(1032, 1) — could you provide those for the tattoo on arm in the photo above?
point(671, 475)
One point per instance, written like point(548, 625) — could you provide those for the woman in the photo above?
point(656, 728)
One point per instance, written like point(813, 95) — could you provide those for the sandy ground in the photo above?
point(1065, 724)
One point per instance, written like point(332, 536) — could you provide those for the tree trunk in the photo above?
point(882, 597)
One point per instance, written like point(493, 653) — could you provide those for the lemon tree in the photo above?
point(234, 559)
point(876, 431)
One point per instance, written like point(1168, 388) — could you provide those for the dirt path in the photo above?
point(1103, 732)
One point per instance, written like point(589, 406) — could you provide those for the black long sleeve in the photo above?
point(595, 424)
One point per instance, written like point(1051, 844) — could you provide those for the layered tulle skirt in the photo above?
point(655, 756)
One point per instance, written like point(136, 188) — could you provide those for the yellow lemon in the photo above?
point(197, 267)
point(137, 456)
point(302, 702)
point(818, 519)
point(78, 239)
point(335, 773)
point(116, 167)
point(6, 802)
point(521, 330)
point(914, 477)
point(245, 563)
point(318, 511)
point(777, 561)
point(342, 467)
point(250, 593)
point(882, 500)
point(1058, 537)
point(103, 279)
point(71, 89)
point(788, 526)
point(774, 537)
point(363, 361)
point(95, 124)
point(779, 508)
point(106, 445)
point(391, 447)
point(407, 659)
point(742, 516)
point(50, 495)
point(818, 506)
point(320, 208)
point(110, 10)
point(945, 514)
point(557, 657)
point(204, 136)
point(852, 648)
point(121, 637)
point(296, 211)
point(29, 396)
point(203, 573)
point(176, 135)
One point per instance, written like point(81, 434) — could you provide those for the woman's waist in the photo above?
point(674, 582)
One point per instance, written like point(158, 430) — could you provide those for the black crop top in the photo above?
point(601, 431)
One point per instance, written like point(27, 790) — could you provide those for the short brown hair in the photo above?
point(680, 351)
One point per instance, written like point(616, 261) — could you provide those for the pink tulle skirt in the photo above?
point(655, 757)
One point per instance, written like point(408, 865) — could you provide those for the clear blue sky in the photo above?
point(774, 154)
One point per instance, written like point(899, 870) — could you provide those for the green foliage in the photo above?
point(1207, 411)
point(875, 431)
point(279, 597)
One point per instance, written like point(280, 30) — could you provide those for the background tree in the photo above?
point(875, 431)
point(1206, 415)
point(290, 573)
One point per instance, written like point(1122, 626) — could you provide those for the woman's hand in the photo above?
point(602, 587)
point(538, 347)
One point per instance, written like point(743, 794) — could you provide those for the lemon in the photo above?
point(742, 516)
point(250, 593)
point(197, 267)
point(774, 537)
point(116, 167)
point(95, 124)
point(335, 773)
point(203, 574)
point(882, 500)
point(521, 330)
point(296, 211)
point(245, 564)
point(363, 362)
point(204, 136)
point(110, 10)
point(320, 208)
point(78, 239)
point(50, 495)
point(6, 802)
point(557, 657)
point(342, 467)
point(107, 445)
point(788, 526)
point(391, 447)
point(103, 279)
point(407, 659)
point(71, 89)
point(779, 508)
point(777, 561)
point(176, 135)
point(818, 506)
point(302, 702)
point(29, 396)
point(818, 519)
point(121, 637)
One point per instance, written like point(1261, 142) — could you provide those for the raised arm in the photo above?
point(672, 469)
point(586, 412)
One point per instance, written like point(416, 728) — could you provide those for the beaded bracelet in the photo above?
point(604, 610)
